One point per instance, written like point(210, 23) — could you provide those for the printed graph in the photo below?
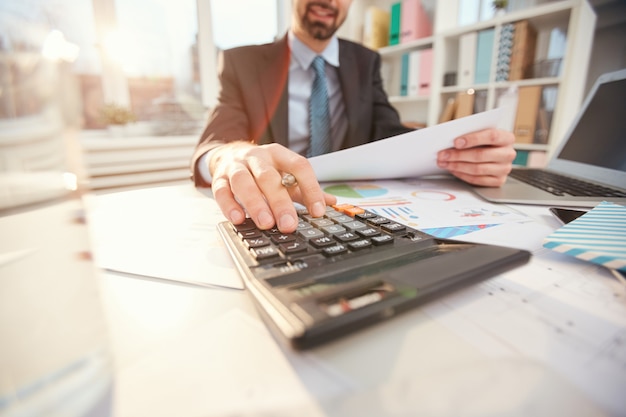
point(454, 231)
point(433, 195)
point(356, 190)
point(402, 214)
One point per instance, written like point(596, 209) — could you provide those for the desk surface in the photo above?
point(544, 339)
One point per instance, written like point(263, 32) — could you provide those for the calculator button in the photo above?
point(257, 242)
point(378, 220)
point(382, 239)
point(365, 215)
point(247, 224)
point(342, 207)
point(283, 238)
point(368, 232)
point(332, 213)
point(354, 225)
point(250, 234)
point(335, 228)
point(359, 244)
point(311, 233)
point(342, 218)
point(322, 241)
point(303, 225)
point(334, 250)
point(264, 252)
point(393, 227)
point(353, 211)
point(346, 236)
point(292, 247)
point(321, 222)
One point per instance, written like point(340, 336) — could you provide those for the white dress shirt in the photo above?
point(301, 76)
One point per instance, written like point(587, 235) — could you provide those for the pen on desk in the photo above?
point(619, 275)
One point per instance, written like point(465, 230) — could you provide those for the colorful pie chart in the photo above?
point(355, 190)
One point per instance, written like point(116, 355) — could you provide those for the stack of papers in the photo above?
point(598, 236)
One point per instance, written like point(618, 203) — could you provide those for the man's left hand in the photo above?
point(480, 158)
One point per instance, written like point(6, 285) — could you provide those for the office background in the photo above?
point(546, 339)
point(84, 69)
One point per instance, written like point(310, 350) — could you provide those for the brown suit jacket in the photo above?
point(252, 101)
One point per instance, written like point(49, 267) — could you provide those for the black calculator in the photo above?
point(351, 268)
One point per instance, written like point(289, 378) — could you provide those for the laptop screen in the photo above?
point(605, 123)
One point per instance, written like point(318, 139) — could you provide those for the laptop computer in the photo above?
point(590, 161)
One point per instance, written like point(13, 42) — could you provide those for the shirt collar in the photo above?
point(303, 56)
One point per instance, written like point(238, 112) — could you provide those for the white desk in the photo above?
point(545, 339)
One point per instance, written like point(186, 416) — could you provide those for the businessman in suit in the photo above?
point(259, 130)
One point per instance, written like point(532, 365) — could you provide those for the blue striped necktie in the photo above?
point(319, 112)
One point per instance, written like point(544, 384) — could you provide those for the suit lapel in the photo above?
point(349, 78)
point(273, 81)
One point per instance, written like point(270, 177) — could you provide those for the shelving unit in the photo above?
point(575, 18)
point(411, 108)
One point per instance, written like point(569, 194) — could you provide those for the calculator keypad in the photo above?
point(344, 230)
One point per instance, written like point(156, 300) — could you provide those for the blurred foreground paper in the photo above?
point(162, 232)
point(409, 155)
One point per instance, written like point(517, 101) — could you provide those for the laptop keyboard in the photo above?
point(561, 185)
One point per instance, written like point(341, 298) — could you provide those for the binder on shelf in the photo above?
point(526, 117)
point(464, 104)
point(414, 21)
point(544, 114)
point(425, 71)
point(508, 98)
point(521, 158)
point(448, 111)
point(523, 52)
point(467, 59)
point(376, 28)
point(394, 23)
point(404, 75)
point(414, 124)
point(557, 43)
point(480, 101)
point(505, 48)
point(530, 159)
point(484, 51)
point(414, 73)
point(537, 159)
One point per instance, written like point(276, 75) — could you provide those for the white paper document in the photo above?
point(165, 233)
point(409, 155)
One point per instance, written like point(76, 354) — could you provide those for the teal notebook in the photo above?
point(598, 236)
point(404, 75)
point(484, 51)
point(394, 24)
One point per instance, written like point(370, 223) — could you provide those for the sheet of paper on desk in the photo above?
point(166, 233)
point(409, 155)
point(598, 236)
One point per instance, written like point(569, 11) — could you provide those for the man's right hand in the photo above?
point(247, 178)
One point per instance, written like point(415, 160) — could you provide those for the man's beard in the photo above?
point(319, 30)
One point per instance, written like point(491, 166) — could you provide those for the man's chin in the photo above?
point(321, 32)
